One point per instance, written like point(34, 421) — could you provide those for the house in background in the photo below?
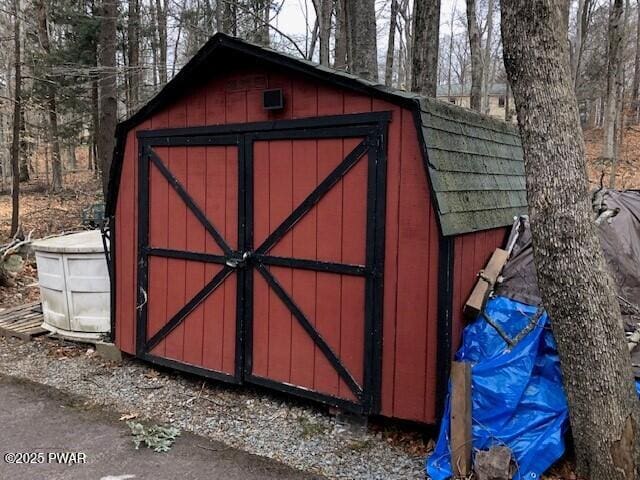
point(499, 99)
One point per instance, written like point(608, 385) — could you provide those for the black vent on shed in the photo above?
point(273, 99)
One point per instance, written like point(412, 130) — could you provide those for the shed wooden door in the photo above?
point(188, 305)
point(261, 254)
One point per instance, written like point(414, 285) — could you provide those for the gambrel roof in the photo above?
point(474, 162)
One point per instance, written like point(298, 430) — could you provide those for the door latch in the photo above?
point(238, 261)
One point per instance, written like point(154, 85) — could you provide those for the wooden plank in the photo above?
point(304, 235)
point(27, 335)
point(20, 308)
point(328, 286)
point(280, 206)
point(17, 319)
point(486, 280)
point(195, 271)
point(414, 267)
point(389, 319)
point(177, 237)
point(352, 296)
point(461, 438)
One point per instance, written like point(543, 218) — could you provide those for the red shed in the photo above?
point(278, 223)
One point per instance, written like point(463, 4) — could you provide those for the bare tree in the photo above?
point(341, 34)
point(426, 42)
point(363, 50)
point(324, 9)
point(52, 105)
point(107, 87)
point(161, 24)
point(473, 31)
point(487, 57)
point(391, 43)
point(583, 17)
point(450, 52)
point(133, 77)
point(614, 65)
point(17, 117)
point(575, 284)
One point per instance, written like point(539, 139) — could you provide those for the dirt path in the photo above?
point(40, 419)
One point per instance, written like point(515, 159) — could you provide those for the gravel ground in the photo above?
point(299, 434)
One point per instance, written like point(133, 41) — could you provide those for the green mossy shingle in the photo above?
point(476, 168)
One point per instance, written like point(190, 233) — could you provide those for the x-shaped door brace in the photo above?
point(232, 260)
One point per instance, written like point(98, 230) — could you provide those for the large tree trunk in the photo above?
point(340, 53)
point(107, 88)
point(363, 50)
point(17, 109)
point(575, 284)
point(391, 44)
point(476, 56)
point(616, 30)
point(133, 30)
point(50, 89)
point(426, 41)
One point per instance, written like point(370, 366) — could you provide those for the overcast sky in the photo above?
point(292, 16)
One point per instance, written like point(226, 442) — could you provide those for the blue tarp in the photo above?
point(517, 394)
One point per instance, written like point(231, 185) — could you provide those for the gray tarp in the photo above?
point(619, 228)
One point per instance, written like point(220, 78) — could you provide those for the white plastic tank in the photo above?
point(74, 285)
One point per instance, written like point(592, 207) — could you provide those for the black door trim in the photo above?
point(370, 126)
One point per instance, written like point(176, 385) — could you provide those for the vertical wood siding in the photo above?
point(471, 254)
point(332, 230)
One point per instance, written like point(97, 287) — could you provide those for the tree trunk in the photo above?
point(133, 29)
point(618, 130)
point(340, 56)
point(24, 148)
point(363, 51)
point(95, 120)
point(314, 39)
point(161, 23)
point(407, 61)
point(507, 104)
point(486, 60)
point(616, 29)
point(52, 106)
point(391, 44)
point(324, 9)
point(426, 41)
point(230, 20)
point(574, 281)
point(636, 69)
point(582, 23)
point(450, 55)
point(476, 56)
point(263, 28)
point(17, 109)
point(107, 87)
point(154, 43)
